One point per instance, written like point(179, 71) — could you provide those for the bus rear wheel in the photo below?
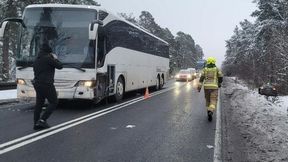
point(120, 89)
point(161, 84)
point(157, 86)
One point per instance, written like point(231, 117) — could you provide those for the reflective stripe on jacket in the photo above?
point(211, 76)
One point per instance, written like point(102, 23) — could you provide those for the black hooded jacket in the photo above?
point(44, 68)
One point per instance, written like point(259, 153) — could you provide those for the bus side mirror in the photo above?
point(4, 23)
point(93, 31)
point(93, 28)
point(2, 29)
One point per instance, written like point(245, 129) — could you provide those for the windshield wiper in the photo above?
point(78, 68)
point(75, 67)
point(71, 66)
point(22, 67)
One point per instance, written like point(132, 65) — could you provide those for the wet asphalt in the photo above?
point(171, 126)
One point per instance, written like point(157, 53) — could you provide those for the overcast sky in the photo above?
point(209, 22)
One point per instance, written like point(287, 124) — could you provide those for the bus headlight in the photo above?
point(177, 76)
point(189, 76)
point(21, 81)
point(86, 83)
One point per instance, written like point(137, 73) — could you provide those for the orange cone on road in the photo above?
point(146, 95)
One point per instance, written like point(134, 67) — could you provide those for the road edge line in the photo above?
point(22, 141)
point(63, 124)
point(44, 135)
point(218, 141)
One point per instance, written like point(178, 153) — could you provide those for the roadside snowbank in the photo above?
point(8, 94)
point(263, 125)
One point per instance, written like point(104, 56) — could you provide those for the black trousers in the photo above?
point(44, 91)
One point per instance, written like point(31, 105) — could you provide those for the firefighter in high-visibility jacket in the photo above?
point(211, 79)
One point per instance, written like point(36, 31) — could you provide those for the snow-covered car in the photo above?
point(268, 90)
point(183, 75)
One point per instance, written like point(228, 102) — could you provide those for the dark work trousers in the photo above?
point(44, 91)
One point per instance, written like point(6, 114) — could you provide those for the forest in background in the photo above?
point(258, 51)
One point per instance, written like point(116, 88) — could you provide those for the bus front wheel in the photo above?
point(120, 89)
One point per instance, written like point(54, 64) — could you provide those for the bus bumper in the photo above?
point(63, 93)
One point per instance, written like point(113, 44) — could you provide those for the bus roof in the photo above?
point(95, 8)
point(65, 6)
point(141, 28)
point(146, 31)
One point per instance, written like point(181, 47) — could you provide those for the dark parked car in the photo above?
point(268, 90)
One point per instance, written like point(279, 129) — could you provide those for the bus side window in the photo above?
point(101, 51)
point(102, 15)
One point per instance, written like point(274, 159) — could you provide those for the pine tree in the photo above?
point(261, 47)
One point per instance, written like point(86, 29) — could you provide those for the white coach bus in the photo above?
point(102, 54)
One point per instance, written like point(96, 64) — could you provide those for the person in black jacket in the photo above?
point(44, 70)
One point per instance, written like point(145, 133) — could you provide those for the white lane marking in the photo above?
point(60, 125)
point(218, 141)
point(210, 146)
point(130, 126)
point(77, 119)
point(23, 143)
point(42, 134)
point(113, 128)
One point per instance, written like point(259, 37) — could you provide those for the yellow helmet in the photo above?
point(211, 60)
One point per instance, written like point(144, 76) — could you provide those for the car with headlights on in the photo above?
point(268, 90)
point(183, 75)
point(192, 72)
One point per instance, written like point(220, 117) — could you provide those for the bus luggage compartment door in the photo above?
point(111, 78)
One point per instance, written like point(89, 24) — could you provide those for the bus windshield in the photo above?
point(65, 30)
